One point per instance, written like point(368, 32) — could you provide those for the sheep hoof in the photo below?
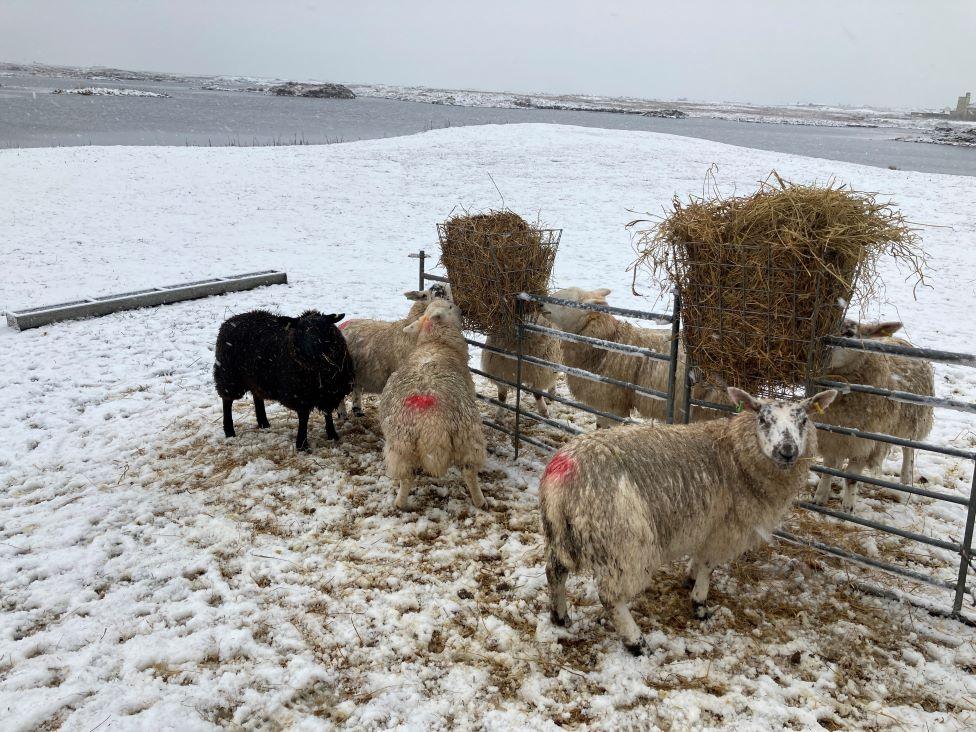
point(229, 433)
point(561, 620)
point(848, 507)
point(700, 611)
point(636, 649)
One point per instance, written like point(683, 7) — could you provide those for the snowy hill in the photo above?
point(157, 576)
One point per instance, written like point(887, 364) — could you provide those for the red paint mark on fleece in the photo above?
point(427, 325)
point(560, 468)
point(420, 402)
point(344, 324)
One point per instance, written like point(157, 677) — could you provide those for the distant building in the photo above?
point(965, 109)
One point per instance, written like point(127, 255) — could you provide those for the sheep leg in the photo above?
point(907, 471)
point(692, 574)
point(229, 418)
point(540, 406)
point(474, 490)
point(302, 442)
point(357, 402)
point(503, 398)
point(260, 413)
point(625, 626)
point(341, 410)
point(556, 575)
point(823, 486)
point(406, 485)
point(330, 429)
point(699, 593)
point(850, 486)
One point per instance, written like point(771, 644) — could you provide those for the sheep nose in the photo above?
point(787, 451)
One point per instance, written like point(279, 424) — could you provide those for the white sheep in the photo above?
point(428, 413)
point(640, 370)
point(871, 413)
point(621, 503)
point(378, 347)
point(533, 375)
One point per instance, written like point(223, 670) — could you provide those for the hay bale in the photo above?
point(764, 277)
point(490, 258)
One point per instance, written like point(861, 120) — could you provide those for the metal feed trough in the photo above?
point(96, 306)
point(962, 546)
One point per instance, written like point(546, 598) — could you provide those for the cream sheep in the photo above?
point(533, 375)
point(378, 347)
point(871, 413)
point(646, 372)
point(427, 409)
point(621, 503)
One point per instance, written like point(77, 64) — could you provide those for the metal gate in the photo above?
point(962, 546)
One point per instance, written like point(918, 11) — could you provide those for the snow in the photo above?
point(101, 91)
point(156, 575)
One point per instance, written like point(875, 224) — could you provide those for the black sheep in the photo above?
point(301, 363)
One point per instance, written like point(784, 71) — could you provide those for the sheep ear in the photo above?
point(743, 399)
point(880, 330)
point(413, 328)
point(335, 317)
point(601, 293)
point(415, 295)
point(819, 402)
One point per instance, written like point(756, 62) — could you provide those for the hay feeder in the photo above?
point(765, 277)
point(490, 258)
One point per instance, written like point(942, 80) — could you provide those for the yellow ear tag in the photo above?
point(819, 408)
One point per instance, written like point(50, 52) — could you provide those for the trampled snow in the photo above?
point(154, 575)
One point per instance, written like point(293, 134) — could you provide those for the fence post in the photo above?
point(673, 364)
point(966, 551)
point(520, 332)
point(422, 285)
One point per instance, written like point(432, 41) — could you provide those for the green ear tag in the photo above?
point(738, 407)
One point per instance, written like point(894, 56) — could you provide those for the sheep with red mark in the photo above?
point(379, 347)
point(428, 413)
point(621, 503)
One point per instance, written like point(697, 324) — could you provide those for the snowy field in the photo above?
point(154, 575)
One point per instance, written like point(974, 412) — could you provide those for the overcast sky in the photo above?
point(882, 52)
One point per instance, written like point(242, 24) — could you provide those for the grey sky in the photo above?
point(882, 52)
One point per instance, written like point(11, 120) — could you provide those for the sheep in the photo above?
point(428, 414)
point(640, 370)
point(377, 347)
point(300, 362)
point(871, 413)
point(533, 375)
point(620, 503)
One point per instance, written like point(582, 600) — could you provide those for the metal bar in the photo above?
point(899, 396)
point(913, 536)
point(436, 278)
point(904, 488)
point(519, 334)
point(712, 405)
point(686, 386)
point(892, 440)
point(929, 354)
point(583, 374)
point(534, 416)
point(598, 342)
point(524, 438)
point(966, 550)
point(625, 312)
point(673, 360)
point(556, 398)
point(861, 559)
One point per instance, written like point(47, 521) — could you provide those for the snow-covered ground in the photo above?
point(154, 575)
